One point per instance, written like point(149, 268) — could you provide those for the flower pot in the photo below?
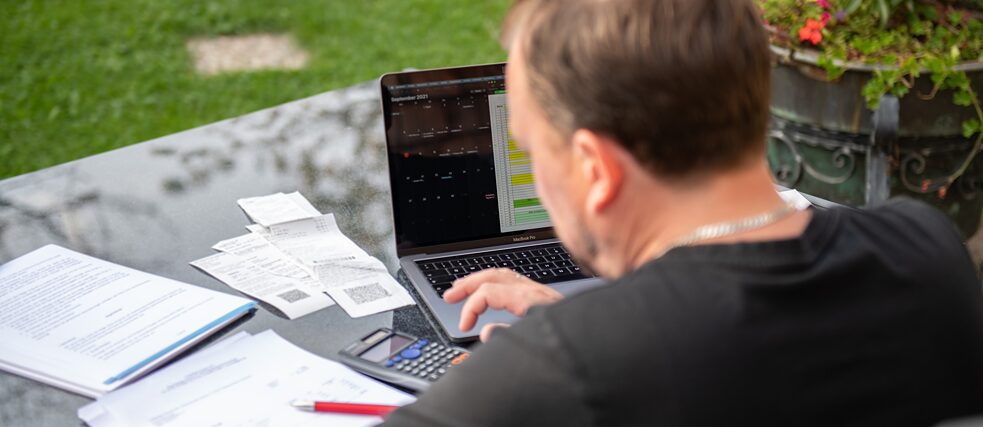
point(825, 141)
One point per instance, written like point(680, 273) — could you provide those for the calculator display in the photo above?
point(385, 348)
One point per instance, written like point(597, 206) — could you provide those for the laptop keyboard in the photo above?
point(544, 264)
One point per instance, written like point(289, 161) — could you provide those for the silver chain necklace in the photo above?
point(721, 229)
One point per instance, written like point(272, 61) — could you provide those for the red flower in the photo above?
point(823, 3)
point(812, 31)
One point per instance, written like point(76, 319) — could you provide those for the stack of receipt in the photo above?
point(298, 261)
point(244, 380)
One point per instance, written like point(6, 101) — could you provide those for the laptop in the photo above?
point(463, 193)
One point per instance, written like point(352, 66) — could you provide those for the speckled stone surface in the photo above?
point(158, 205)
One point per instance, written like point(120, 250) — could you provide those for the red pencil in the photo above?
point(344, 408)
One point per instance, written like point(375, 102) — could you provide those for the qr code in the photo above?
point(293, 295)
point(367, 293)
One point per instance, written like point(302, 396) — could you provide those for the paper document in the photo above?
point(795, 198)
point(299, 261)
point(259, 251)
point(294, 297)
point(315, 241)
point(90, 326)
point(258, 229)
point(359, 283)
point(277, 208)
point(362, 286)
point(249, 381)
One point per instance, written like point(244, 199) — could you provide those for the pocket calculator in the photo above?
point(402, 359)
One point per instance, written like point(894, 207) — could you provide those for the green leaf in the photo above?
point(935, 65)
point(853, 6)
point(911, 66)
point(918, 28)
point(827, 63)
point(890, 76)
point(970, 127)
point(962, 98)
point(882, 4)
point(874, 89)
point(927, 11)
point(887, 38)
point(955, 18)
point(865, 46)
point(958, 80)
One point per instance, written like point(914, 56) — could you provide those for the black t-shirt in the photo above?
point(868, 318)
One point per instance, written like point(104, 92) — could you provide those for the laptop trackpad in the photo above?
point(502, 316)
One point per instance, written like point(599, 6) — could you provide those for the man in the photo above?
point(645, 121)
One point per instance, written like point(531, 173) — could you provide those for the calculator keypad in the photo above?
point(427, 360)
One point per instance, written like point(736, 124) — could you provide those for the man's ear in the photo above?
point(600, 167)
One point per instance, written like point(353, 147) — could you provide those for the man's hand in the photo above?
point(498, 288)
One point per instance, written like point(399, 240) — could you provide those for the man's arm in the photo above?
point(525, 376)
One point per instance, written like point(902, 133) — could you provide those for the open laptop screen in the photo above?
point(457, 178)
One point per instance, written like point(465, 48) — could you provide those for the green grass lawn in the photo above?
point(78, 77)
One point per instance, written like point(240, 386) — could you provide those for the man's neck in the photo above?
point(726, 198)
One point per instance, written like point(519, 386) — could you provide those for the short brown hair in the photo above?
point(682, 84)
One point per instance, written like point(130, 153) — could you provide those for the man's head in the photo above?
point(605, 94)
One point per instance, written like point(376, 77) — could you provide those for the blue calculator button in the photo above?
point(422, 343)
point(396, 359)
point(410, 353)
point(389, 363)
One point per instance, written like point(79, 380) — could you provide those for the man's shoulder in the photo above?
point(904, 214)
point(904, 226)
point(905, 238)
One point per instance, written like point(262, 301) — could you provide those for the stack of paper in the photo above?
point(297, 260)
point(242, 381)
point(278, 208)
point(90, 326)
